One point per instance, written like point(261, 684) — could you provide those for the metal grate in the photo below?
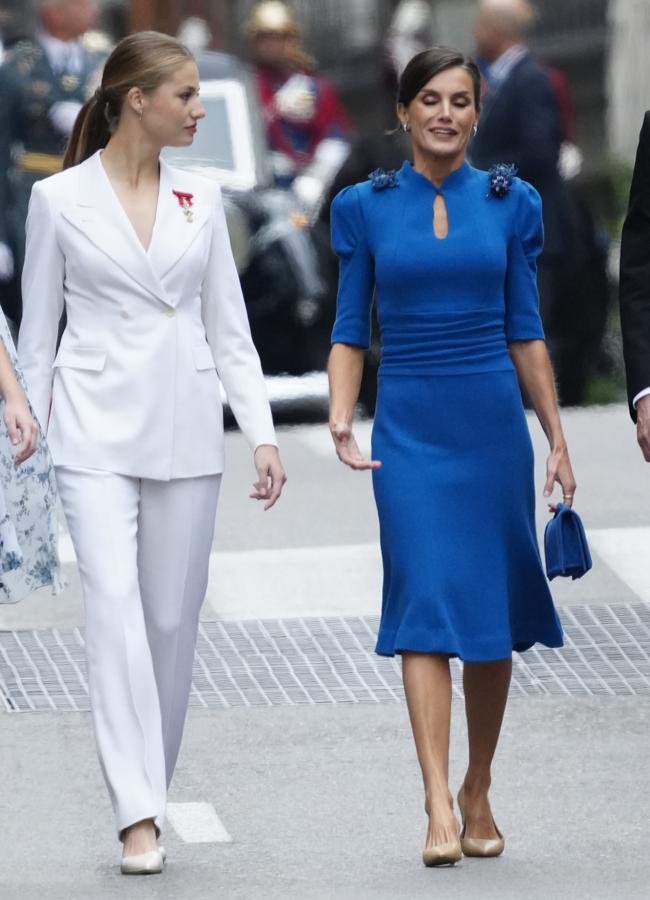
point(294, 661)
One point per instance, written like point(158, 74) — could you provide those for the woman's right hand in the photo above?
point(271, 476)
point(347, 448)
point(21, 426)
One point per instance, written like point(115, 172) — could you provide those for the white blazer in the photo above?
point(134, 387)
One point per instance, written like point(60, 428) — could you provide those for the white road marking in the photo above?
point(626, 552)
point(302, 581)
point(345, 580)
point(197, 823)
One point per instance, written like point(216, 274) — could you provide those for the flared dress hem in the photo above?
point(488, 649)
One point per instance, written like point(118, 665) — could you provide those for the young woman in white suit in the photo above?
point(137, 254)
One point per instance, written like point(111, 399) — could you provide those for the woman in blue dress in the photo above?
point(450, 252)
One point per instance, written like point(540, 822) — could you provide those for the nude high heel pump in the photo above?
point(446, 854)
point(479, 847)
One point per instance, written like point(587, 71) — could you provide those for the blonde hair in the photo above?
point(142, 60)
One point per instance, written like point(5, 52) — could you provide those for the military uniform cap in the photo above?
point(272, 16)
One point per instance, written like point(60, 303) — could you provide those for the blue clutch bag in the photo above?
point(565, 545)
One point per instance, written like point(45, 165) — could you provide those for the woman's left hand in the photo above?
point(271, 475)
point(558, 468)
point(21, 426)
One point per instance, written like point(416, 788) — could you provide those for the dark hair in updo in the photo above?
point(422, 68)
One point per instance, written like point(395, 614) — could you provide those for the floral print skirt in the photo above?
point(28, 517)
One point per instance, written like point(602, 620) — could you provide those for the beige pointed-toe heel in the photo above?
point(479, 847)
point(447, 854)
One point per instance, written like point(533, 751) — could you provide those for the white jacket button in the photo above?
point(124, 313)
point(170, 312)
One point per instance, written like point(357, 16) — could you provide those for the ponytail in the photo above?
point(91, 131)
point(143, 60)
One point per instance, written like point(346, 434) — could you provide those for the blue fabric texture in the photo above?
point(565, 545)
point(455, 494)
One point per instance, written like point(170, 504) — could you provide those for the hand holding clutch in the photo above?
point(565, 545)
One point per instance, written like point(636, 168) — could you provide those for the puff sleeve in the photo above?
point(522, 320)
point(356, 270)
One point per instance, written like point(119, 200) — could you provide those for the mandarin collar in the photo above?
point(456, 177)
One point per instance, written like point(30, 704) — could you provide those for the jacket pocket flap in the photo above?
point(81, 358)
point(203, 358)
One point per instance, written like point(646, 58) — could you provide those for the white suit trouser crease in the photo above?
point(143, 549)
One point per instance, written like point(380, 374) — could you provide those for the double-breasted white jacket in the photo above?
point(135, 385)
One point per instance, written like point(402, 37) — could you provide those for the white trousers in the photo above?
point(143, 549)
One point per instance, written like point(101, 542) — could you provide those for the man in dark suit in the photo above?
point(521, 124)
point(635, 292)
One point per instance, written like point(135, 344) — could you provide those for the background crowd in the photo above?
point(322, 77)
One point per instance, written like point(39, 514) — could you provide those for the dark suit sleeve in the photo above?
point(635, 274)
point(539, 134)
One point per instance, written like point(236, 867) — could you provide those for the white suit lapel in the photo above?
point(99, 215)
point(176, 228)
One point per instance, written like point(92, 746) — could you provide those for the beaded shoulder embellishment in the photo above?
point(500, 179)
point(383, 178)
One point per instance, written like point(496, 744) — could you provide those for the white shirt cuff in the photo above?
point(643, 393)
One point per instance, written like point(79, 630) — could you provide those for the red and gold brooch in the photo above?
point(185, 203)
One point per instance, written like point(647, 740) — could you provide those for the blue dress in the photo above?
point(455, 494)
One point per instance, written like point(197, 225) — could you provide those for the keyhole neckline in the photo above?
point(440, 221)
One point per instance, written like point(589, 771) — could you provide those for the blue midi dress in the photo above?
point(455, 492)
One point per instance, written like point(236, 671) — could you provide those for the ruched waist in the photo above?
point(471, 341)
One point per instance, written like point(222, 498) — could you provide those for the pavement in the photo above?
point(297, 777)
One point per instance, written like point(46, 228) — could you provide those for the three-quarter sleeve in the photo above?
point(356, 270)
point(522, 321)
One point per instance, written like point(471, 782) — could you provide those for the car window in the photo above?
point(223, 145)
point(213, 141)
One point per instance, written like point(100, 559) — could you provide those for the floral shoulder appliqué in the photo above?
point(383, 178)
point(500, 179)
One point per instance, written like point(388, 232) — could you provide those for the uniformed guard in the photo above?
point(307, 128)
point(43, 83)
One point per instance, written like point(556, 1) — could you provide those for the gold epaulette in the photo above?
point(42, 163)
